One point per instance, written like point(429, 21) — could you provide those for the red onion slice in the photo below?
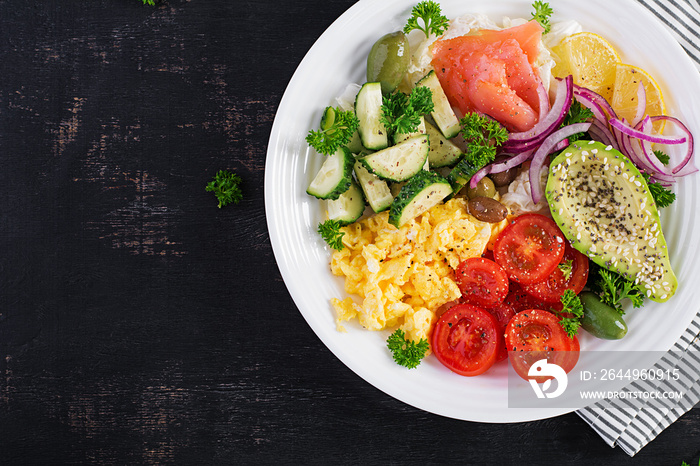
point(549, 144)
point(645, 125)
point(601, 132)
point(544, 100)
point(562, 101)
point(625, 128)
point(592, 105)
point(641, 104)
point(597, 98)
point(689, 137)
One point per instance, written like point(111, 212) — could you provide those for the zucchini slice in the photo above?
point(444, 116)
point(422, 192)
point(368, 108)
point(334, 177)
point(399, 162)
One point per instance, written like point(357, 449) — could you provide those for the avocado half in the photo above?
point(603, 206)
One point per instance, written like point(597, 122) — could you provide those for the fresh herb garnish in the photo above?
point(662, 156)
point(542, 14)
point(483, 135)
point(226, 186)
point(405, 352)
point(567, 267)
point(149, 2)
point(402, 113)
point(577, 113)
point(331, 234)
point(572, 311)
point(431, 15)
point(613, 288)
point(663, 197)
point(335, 133)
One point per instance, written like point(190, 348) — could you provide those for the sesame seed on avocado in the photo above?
point(602, 204)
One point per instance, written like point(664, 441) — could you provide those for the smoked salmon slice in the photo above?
point(492, 72)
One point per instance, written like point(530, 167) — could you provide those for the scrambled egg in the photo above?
point(403, 275)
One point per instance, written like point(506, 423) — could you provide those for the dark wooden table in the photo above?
point(139, 323)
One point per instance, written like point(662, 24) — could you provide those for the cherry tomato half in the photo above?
point(551, 288)
point(466, 339)
point(482, 282)
point(520, 300)
point(535, 334)
point(503, 313)
point(529, 248)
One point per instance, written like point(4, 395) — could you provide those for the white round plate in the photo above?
point(338, 58)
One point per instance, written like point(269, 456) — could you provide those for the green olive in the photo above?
point(601, 320)
point(388, 60)
point(485, 188)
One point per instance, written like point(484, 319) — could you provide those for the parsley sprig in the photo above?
point(431, 16)
point(331, 234)
point(613, 288)
point(337, 127)
point(566, 267)
point(226, 186)
point(542, 14)
point(402, 113)
point(572, 312)
point(405, 352)
point(662, 156)
point(577, 113)
point(663, 197)
point(483, 136)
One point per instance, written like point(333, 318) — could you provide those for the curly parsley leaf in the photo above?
point(483, 135)
point(331, 234)
point(337, 128)
point(402, 113)
point(405, 352)
point(482, 130)
point(572, 311)
point(663, 197)
point(662, 156)
point(577, 113)
point(430, 14)
point(542, 14)
point(226, 186)
point(149, 2)
point(566, 267)
point(613, 288)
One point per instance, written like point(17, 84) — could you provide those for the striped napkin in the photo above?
point(633, 423)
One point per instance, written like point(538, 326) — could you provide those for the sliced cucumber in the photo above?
point(443, 152)
point(376, 190)
point(368, 108)
point(348, 207)
point(444, 116)
point(355, 144)
point(419, 194)
point(462, 173)
point(334, 177)
point(399, 162)
point(400, 137)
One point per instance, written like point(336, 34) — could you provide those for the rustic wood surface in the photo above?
point(139, 323)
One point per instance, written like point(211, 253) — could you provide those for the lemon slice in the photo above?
point(624, 100)
point(590, 59)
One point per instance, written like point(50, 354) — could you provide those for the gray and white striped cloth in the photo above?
point(631, 423)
